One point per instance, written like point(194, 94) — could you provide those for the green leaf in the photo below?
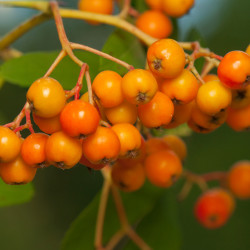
point(137, 205)
point(141, 6)
point(23, 71)
point(125, 47)
point(161, 228)
point(12, 195)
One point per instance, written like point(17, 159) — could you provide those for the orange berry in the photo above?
point(210, 77)
point(155, 24)
point(214, 208)
point(163, 168)
point(198, 128)
point(139, 86)
point(107, 88)
point(79, 118)
point(177, 8)
point(130, 139)
point(129, 178)
point(84, 161)
point(10, 145)
point(157, 112)
point(239, 179)
point(234, 69)
point(213, 97)
point(177, 145)
point(240, 97)
point(239, 119)
point(166, 58)
point(63, 151)
point(102, 147)
point(46, 97)
point(17, 171)
point(181, 89)
point(155, 4)
point(126, 112)
point(154, 145)
point(33, 149)
point(96, 6)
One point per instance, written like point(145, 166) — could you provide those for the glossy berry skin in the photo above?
point(96, 6)
point(166, 58)
point(239, 119)
point(238, 179)
point(46, 97)
point(79, 118)
point(139, 86)
point(17, 172)
point(102, 147)
point(177, 8)
point(10, 145)
point(181, 89)
point(163, 168)
point(177, 145)
point(107, 88)
point(33, 149)
point(84, 161)
point(213, 97)
point(62, 150)
point(214, 207)
point(155, 24)
point(157, 112)
point(48, 125)
point(155, 144)
point(234, 69)
point(130, 139)
point(126, 112)
point(130, 178)
point(210, 77)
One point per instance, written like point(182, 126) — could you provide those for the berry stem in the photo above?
point(79, 81)
point(125, 9)
point(61, 55)
point(101, 214)
point(219, 176)
point(194, 178)
point(89, 85)
point(102, 54)
point(115, 240)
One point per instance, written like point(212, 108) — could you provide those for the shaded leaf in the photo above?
point(160, 228)
point(23, 71)
point(125, 47)
point(137, 205)
point(12, 194)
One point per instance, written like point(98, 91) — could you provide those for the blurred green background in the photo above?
point(61, 195)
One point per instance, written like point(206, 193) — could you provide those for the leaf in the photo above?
point(161, 228)
point(23, 71)
point(12, 195)
point(140, 6)
point(125, 47)
point(137, 205)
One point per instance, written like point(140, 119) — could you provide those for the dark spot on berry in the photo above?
point(122, 184)
point(157, 64)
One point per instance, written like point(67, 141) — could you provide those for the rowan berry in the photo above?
point(210, 77)
point(198, 128)
point(214, 207)
point(155, 24)
point(155, 4)
point(102, 147)
point(213, 97)
point(107, 88)
point(177, 8)
point(139, 86)
point(46, 97)
point(96, 6)
point(130, 139)
point(126, 112)
point(239, 179)
point(177, 145)
point(129, 178)
point(84, 161)
point(10, 145)
point(155, 144)
point(240, 97)
point(166, 58)
point(48, 125)
point(234, 69)
point(62, 150)
point(157, 112)
point(181, 115)
point(79, 118)
point(163, 168)
point(17, 171)
point(181, 89)
point(239, 119)
point(33, 149)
